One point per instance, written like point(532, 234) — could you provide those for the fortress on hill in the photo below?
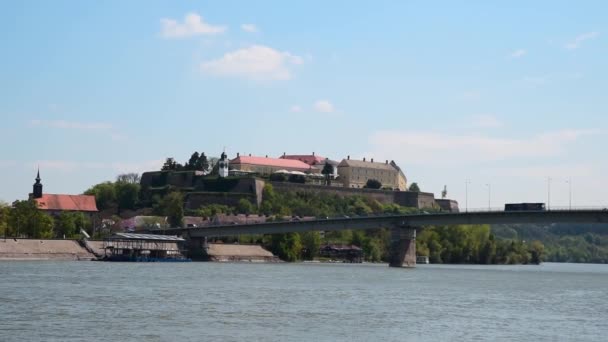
point(245, 177)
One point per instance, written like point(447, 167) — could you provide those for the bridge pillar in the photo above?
point(196, 248)
point(403, 247)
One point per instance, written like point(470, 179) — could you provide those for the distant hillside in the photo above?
point(585, 243)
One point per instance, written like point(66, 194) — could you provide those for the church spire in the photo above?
point(37, 193)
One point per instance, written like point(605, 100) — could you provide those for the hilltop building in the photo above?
point(266, 165)
point(316, 162)
point(356, 173)
point(55, 204)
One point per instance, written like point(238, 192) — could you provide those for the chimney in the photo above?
point(266, 156)
point(363, 158)
point(387, 161)
point(250, 154)
point(313, 154)
point(347, 157)
point(372, 160)
point(284, 154)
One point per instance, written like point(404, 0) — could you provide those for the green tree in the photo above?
point(245, 207)
point(414, 187)
point(29, 221)
point(105, 195)
point(171, 165)
point(65, 225)
point(211, 210)
point(536, 250)
point(373, 184)
point(286, 246)
point(328, 171)
point(4, 214)
point(131, 178)
point(192, 164)
point(372, 250)
point(127, 195)
point(173, 207)
point(311, 242)
point(202, 163)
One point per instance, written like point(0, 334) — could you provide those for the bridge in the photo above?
point(403, 227)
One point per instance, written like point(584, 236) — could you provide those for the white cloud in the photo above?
point(193, 25)
point(324, 106)
point(257, 62)
point(486, 121)
point(251, 28)
point(576, 43)
point(295, 109)
point(71, 124)
point(518, 53)
point(425, 147)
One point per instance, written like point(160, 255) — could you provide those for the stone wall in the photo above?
point(228, 191)
point(403, 198)
point(415, 199)
point(447, 205)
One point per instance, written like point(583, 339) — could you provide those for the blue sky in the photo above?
point(505, 94)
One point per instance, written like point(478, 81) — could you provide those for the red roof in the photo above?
point(67, 202)
point(309, 159)
point(276, 162)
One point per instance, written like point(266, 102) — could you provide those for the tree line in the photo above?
point(197, 162)
point(24, 219)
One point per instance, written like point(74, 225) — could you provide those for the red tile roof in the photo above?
point(67, 202)
point(306, 158)
point(276, 162)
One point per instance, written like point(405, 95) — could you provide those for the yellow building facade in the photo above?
point(355, 174)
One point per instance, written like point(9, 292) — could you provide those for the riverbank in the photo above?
point(238, 253)
point(58, 250)
point(43, 249)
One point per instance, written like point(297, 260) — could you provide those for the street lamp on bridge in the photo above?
point(489, 196)
point(466, 195)
point(569, 181)
point(548, 193)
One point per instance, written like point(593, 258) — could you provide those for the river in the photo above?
point(96, 301)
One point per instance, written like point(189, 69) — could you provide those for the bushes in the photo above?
point(373, 184)
point(297, 179)
point(277, 177)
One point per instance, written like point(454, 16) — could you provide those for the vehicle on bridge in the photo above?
point(525, 207)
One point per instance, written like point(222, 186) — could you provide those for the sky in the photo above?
point(498, 101)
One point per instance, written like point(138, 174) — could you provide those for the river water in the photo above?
point(96, 301)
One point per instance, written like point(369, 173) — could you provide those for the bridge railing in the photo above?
point(551, 208)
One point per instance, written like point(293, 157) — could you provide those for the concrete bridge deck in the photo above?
point(403, 227)
point(404, 221)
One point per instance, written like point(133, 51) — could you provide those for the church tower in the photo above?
point(37, 193)
point(223, 165)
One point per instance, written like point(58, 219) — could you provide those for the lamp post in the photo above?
point(489, 196)
point(569, 181)
point(548, 193)
point(466, 195)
